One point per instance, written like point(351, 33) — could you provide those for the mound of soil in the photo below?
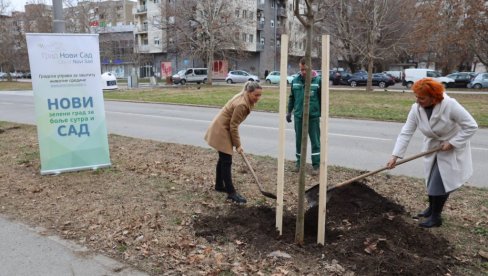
point(364, 230)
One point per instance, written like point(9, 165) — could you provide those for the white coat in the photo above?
point(449, 122)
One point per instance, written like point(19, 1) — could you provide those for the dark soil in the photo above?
point(364, 231)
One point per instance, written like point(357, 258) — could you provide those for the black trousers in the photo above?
point(223, 177)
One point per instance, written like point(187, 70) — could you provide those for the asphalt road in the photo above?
point(358, 144)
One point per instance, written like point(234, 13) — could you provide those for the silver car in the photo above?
point(480, 81)
point(240, 76)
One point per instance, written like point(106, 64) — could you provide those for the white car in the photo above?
point(240, 76)
point(414, 74)
point(274, 77)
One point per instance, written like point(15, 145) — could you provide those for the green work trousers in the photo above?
point(314, 134)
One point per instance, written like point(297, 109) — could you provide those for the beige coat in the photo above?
point(223, 132)
point(449, 122)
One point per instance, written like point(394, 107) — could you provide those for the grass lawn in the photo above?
point(358, 104)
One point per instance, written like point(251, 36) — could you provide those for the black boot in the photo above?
point(427, 212)
point(435, 219)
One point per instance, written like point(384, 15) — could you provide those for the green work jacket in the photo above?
point(295, 100)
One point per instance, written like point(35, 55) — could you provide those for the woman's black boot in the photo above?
point(427, 212)
point(435, 219)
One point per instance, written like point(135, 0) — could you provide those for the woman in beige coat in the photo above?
point(445, 123)
point(223, 135)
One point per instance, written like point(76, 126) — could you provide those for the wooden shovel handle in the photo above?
point(384, 168)
point(252, 171)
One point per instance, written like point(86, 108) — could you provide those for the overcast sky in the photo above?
point(17, 5)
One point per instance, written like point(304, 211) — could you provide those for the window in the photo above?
point(262, 40)
point(273, 3)
point(244, 14)
point(156, 41)
point(272, 23)
point(237, 13)
point(244, 37)
point(251, 38)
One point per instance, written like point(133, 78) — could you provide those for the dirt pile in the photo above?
point(365, 232)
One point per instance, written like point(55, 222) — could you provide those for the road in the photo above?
point(358, 144)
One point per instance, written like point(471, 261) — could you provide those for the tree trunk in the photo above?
point(299, 231)
point(210, 60)
point(369, 86)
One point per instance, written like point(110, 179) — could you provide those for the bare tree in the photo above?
point(78, 15)
point(205, 29)
point(476, 24)
point(7, 38)
point(439, 34)
point(368, 31)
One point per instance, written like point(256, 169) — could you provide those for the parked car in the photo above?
point(3, 75)
point(274, 77)
point(461, 79)
point(240, 76)
point(379, 79)
point(289, 79)
point(396, 75)
point(414, 74)
point(480, 81)
point(198, 75)
point(335, 77)
point(109, 81)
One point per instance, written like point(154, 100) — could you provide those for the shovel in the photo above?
point(264, 193)
point(312, 193)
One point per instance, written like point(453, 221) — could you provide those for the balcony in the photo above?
point(143, 48)
point(259, 47)
point(261, 5)
point(260, 25)
point(281, 12)
point(142, 29)
point(279, 31)
point(141, 9)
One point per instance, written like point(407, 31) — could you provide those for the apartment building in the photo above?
point(261, 24)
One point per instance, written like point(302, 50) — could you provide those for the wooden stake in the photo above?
point(324, 141)
point(281, 145)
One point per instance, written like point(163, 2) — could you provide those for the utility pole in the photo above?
point(58, 19)
point(275, 38)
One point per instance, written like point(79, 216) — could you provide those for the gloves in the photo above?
point(288, 117)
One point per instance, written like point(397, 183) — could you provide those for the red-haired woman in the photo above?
point(443, 122)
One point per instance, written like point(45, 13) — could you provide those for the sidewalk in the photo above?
point(26, 251)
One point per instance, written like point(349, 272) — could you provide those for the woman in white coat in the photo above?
point(445, 123)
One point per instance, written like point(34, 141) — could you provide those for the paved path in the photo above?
point(28, 251)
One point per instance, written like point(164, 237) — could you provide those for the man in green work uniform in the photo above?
point(295, 103)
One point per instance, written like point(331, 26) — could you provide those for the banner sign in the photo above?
point(68, 98)
point(166, 70)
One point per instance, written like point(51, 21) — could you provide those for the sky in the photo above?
point(17, 5)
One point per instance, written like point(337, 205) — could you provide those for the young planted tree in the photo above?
point(306, 18)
